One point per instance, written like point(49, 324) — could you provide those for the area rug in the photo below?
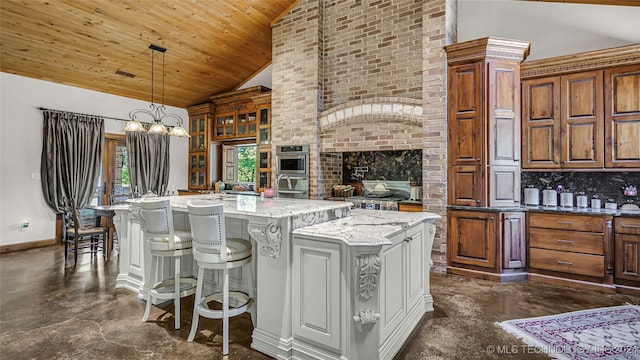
point(611, 333)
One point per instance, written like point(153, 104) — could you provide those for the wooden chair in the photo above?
point(213, 250)
point(79, 237)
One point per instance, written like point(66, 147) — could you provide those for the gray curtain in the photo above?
point(148, 162)
point(71, 159)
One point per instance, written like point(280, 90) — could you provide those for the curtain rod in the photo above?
point(77, 113)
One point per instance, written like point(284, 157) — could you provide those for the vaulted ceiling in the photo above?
point(212, 45)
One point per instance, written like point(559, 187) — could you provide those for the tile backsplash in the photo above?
point(607, 185)
point(394, 165)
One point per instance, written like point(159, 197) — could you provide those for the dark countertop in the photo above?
point(553, 210)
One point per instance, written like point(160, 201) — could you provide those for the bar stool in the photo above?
point(213, 250)
point(164, 241)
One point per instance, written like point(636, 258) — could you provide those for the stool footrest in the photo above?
point(239, 302)
point(187, 287)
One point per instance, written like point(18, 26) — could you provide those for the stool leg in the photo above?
point(152, 276)
point(225, 313)
point(248, 269)
point(176, 292)
point(196, 304)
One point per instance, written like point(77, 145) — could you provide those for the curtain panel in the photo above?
point(148, 162)
point(72, 146)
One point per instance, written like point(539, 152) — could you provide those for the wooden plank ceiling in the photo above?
point(212, 45)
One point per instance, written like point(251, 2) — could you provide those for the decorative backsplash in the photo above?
point(395, 165)
point(607, 185)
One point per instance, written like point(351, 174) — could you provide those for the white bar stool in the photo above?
point(164, 241)
point(213, 250)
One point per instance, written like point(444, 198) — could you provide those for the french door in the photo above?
point(114, 182)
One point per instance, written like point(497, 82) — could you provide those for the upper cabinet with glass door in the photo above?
point(236, 114)
point(200, 117)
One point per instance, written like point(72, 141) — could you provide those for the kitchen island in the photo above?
point(287, 247)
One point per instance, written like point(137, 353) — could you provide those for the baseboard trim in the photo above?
point(572, 283)
point(502, 277)
point(26, 246)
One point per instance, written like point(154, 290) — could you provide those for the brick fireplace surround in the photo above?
point(366, 76)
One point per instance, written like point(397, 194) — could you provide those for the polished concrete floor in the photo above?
point(51, 311)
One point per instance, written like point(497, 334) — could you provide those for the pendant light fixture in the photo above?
point(156, 112)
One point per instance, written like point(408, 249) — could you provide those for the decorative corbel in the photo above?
point(269, 236)
point(368, 269)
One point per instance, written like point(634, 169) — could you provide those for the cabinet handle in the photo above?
point(564, 262)
point(408, 238)
point(564, 222)
point(478, 201)
point(491, 218)
point(477, 159)
point(565, 241)
point(631, 226)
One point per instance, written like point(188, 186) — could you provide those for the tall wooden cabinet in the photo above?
point(263, 141)
point(236, 115)
point(582, 111)
point(484, 122)
point(200, 117)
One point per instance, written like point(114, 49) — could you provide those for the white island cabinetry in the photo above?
point(360, 284)
point(332, 283)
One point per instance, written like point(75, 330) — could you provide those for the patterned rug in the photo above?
point(605, 333)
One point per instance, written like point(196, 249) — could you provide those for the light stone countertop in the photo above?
point(366, 227)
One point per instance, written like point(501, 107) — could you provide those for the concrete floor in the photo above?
point(49, 311)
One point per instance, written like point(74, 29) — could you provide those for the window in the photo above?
point(239, 164)
point(246, 156)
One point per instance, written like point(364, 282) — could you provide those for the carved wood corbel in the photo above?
point(268, 236)
point(367, 269)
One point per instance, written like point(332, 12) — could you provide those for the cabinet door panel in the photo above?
point(393, 301)
point(465, 114)
point(504, 113)
point(513, 238)
point(415, 253)
point(316, 292)
point(472, 238)
point(628, 257)
point(622, 117)
point(541, 123)
point(582, 120)
point(465, 185)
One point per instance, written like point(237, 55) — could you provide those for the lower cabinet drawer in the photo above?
point(573, 241)
point(567, 262)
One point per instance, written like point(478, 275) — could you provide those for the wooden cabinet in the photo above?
point(486, 244)
point(627, 244)
point(570, 249)
point(622, 117)
point(199, 146)
point(236, 116)
point(484, 122)
point(410, 207)
point(562, 122)
point(582, 111)
point(263, 142)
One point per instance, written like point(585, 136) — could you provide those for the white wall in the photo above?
point(553, 29)
point(21, 146)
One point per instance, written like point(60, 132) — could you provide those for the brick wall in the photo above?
point(334, 55)
point(372, 49)
point(439, 30)
point(296, 71)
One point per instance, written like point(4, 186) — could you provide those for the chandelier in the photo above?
point(157, 113)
